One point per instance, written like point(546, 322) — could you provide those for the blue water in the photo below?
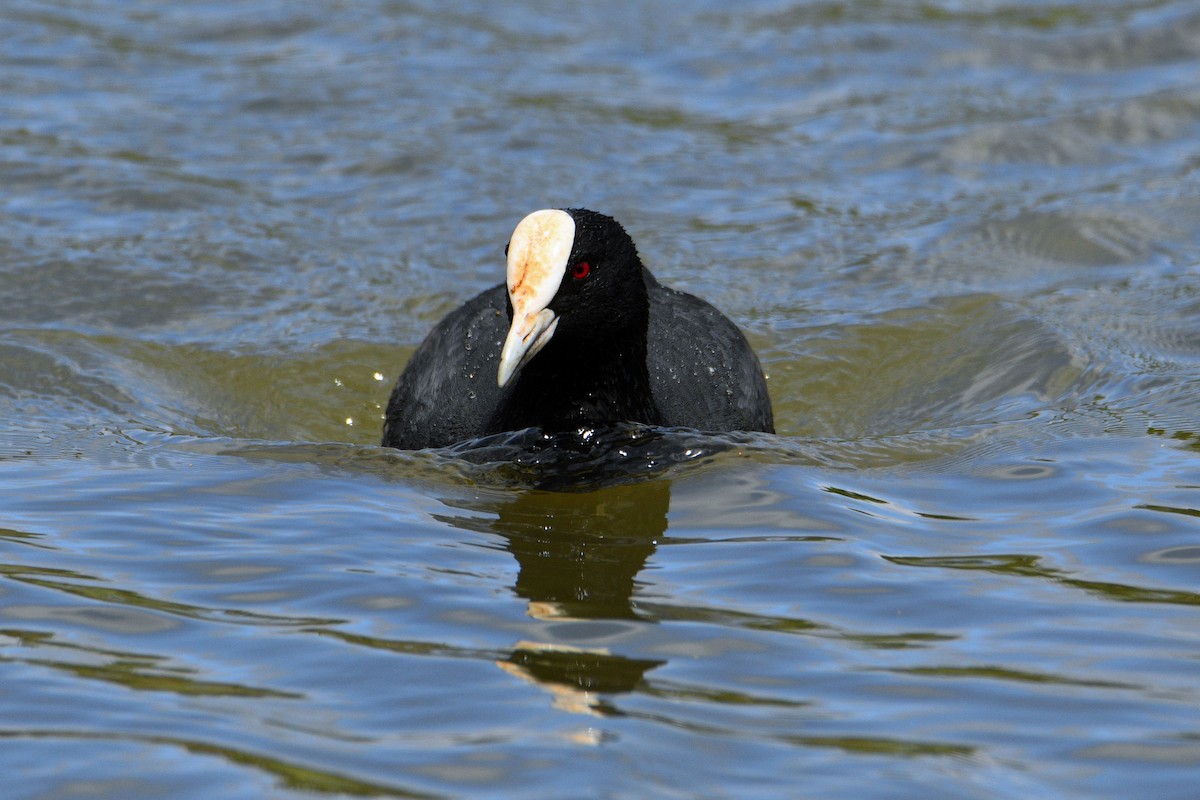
point(961, 236)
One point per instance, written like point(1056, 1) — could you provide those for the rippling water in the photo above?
point(962, 236)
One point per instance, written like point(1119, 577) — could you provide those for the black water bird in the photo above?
point(582, 335)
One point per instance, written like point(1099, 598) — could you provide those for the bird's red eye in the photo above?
point(581, 270)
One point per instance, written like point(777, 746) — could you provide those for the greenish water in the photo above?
point(962, 237)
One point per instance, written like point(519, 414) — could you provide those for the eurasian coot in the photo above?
point(584, 335)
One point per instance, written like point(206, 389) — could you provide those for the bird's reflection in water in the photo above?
point(579, 555)
point(578, 678)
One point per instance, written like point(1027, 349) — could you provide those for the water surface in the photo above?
point(962, 238)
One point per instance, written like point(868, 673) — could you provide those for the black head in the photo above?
point(602, 292)
point(575, 285)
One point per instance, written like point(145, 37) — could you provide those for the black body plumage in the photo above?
point(626, 349)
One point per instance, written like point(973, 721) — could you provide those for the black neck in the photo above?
point(566, 387)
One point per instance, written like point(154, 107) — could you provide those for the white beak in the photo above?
point(528, 334)
point(537, 262)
